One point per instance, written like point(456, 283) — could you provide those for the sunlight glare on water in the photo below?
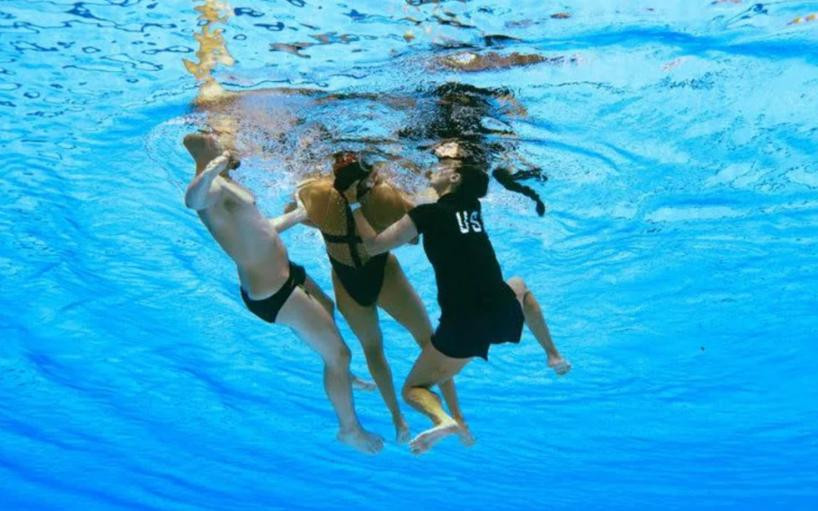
point(677, 262)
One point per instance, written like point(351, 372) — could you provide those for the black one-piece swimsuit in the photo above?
point(363, 281)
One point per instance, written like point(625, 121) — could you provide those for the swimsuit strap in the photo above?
point(351, 237)
point(340, 238)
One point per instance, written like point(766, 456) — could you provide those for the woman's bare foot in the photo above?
point(364, 441)
point(559, 365)
point(465, 435)
point(426, 440)
point(402, 433)
point(360, 384)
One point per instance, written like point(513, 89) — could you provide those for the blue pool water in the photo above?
point(677, 263)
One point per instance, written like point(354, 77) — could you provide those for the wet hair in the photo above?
point(347, 168)
point(474, 183)
point(511, 182)
point(458, 115)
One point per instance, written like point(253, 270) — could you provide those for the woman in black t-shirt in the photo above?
point(478, 307)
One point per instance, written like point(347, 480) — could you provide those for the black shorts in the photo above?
point(362, 284)
point(267, 309)
point(470, 332)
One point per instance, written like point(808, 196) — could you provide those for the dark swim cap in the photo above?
point(348, 168)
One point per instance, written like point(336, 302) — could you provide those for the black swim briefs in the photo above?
point(267, 309)
point(470, 331)
point(362, 283)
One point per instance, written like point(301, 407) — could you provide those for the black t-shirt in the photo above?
point(455, 240)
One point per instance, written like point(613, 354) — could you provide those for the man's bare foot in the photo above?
point(559, 365)
point(402, 433)
point(424, 441)
point(203, 148)
point(359, 384)
point(465, 435)
point(364, 441)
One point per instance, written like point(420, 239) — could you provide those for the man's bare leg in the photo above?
point(314, 290)
point(310, 321)
point(364, 322)
point(535, 321)
point(400, 300)
point(326, 302)
point(432, 367)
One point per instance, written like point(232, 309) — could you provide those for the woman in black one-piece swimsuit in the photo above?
point(364, 282)
point(478, 307)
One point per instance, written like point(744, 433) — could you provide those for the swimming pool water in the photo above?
point(677, 263)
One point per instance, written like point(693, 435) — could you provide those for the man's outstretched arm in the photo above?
point(289, 219)
point(205, 188)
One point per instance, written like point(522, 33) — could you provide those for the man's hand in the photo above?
point(219, 163)
point(298, 202)
point(298, 209)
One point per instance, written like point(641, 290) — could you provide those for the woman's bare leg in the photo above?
point(310, 321)
point(364, 322)
point(400, 300)
point(431, 368)
point(535, 321)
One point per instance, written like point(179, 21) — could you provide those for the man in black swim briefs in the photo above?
point(267, 309)
point(362, 281)
point(272, 287)
point(478, 308)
